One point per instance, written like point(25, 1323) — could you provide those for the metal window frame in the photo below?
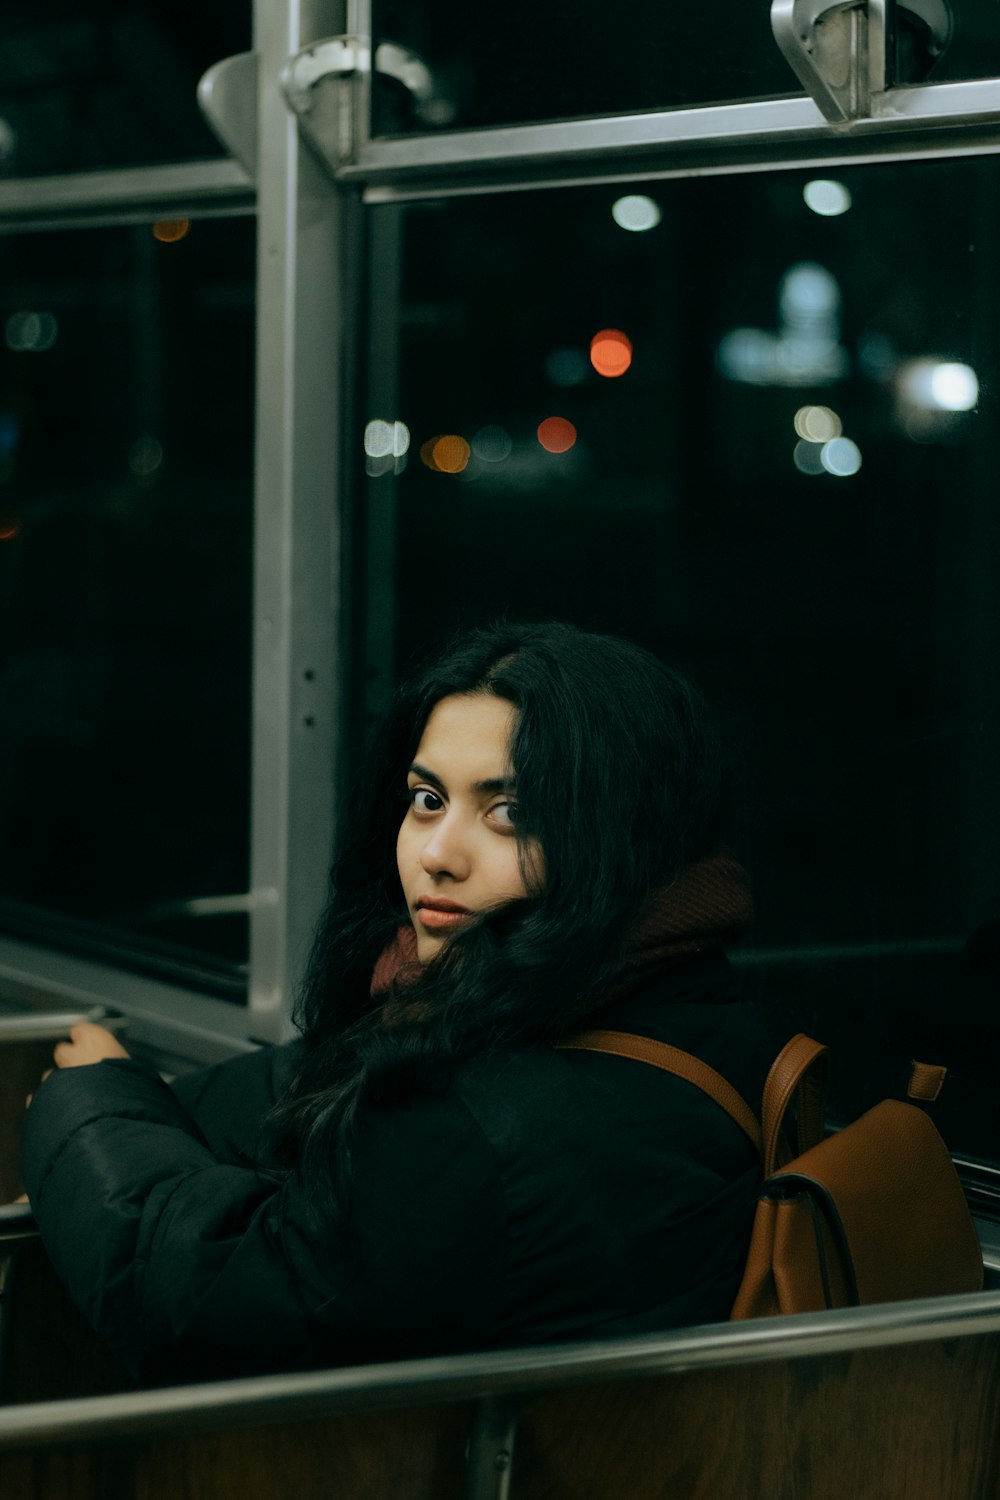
point(934, 120)
point(309, 217)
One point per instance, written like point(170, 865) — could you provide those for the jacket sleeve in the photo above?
point(191, 1268)
point(230, 1100)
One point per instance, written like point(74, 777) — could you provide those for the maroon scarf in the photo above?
point(708, 907)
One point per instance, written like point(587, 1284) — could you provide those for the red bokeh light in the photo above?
point(556, 434)
point(611, 352)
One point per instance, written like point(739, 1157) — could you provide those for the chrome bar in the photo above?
point(125, 196)
point(304, 313)
point(928, 120)
point(159, 1015)
point(472, 1377)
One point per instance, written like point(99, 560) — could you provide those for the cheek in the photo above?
point(505, 871)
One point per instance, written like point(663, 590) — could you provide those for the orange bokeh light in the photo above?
point(611, 352)
point(9, 528)
point(446, 455)
point(169, 231)
point(556, 434)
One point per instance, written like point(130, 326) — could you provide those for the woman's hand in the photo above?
point(87, 1044)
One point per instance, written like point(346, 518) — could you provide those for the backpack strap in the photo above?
point(798, 1072)
point(673, 1060)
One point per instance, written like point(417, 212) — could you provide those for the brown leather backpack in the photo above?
point(872, 1213)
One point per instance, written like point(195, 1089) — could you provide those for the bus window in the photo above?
point(125, 530)
point(749, 421)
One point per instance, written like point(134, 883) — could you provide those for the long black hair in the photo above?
point(619, 780)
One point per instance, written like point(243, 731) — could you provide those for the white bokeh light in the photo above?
point(635, 212)
point(935, 385)
point(826, 197)
point(817, 424)
point(840, 457)
point(954, 387)
point(386, 439)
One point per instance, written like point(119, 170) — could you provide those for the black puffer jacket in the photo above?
point(547, 1195)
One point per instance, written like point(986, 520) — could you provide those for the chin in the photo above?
point(428, 947)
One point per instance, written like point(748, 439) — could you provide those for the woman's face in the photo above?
point(457, 851)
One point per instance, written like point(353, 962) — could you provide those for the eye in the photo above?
point(504, 813)
point(423, 800)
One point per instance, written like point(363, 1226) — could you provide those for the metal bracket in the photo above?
point(332, 118)
point(227, 94)
point(844, 51)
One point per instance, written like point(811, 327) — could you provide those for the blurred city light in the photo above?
point(817, 424)
point(611, 352)
point(827, 198)
point(840, 457)
point(10, 528)
point(938, 385)
point(30, 332)
point(806, 457)
point(10, 432)
point(808, 294)
point(145, 456)
point(169, 231)
point(386, 439)
point(806, 350)
point(556, 434)
point(492, 444)
point(446, 455)
point(636, 212)
point(566, 367)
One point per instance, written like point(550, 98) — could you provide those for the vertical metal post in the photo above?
point(491, 1448)
point(303, 226)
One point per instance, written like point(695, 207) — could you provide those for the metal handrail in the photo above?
point(462, 1378)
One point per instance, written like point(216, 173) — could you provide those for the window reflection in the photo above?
point(125, 508)
point(111, 84)
point(813, 532)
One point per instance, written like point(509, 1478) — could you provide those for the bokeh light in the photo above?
point(611, 352)
point(827, 198)
point(817, 424)
point(806, 457)
point(954, 387)
point(556, 434)
point(566, 367)
point(840, 457)
point(29, 332)
point(10, 527)
point(386, 439)
point(636, 212)
point(145, 456)
point(492, 444)
point(446, 455)
point(169, 231)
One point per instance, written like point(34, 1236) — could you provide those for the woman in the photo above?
point(538, 849)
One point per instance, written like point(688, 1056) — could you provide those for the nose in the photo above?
point(445, 851)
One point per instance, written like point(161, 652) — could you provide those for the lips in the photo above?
point(438, 915)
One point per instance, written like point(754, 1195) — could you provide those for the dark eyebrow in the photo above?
point(486, 788)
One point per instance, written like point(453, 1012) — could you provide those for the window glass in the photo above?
point(751, 423)
point(559, 61)
point(556, 60)
point(125, 533)
point(110, 83)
